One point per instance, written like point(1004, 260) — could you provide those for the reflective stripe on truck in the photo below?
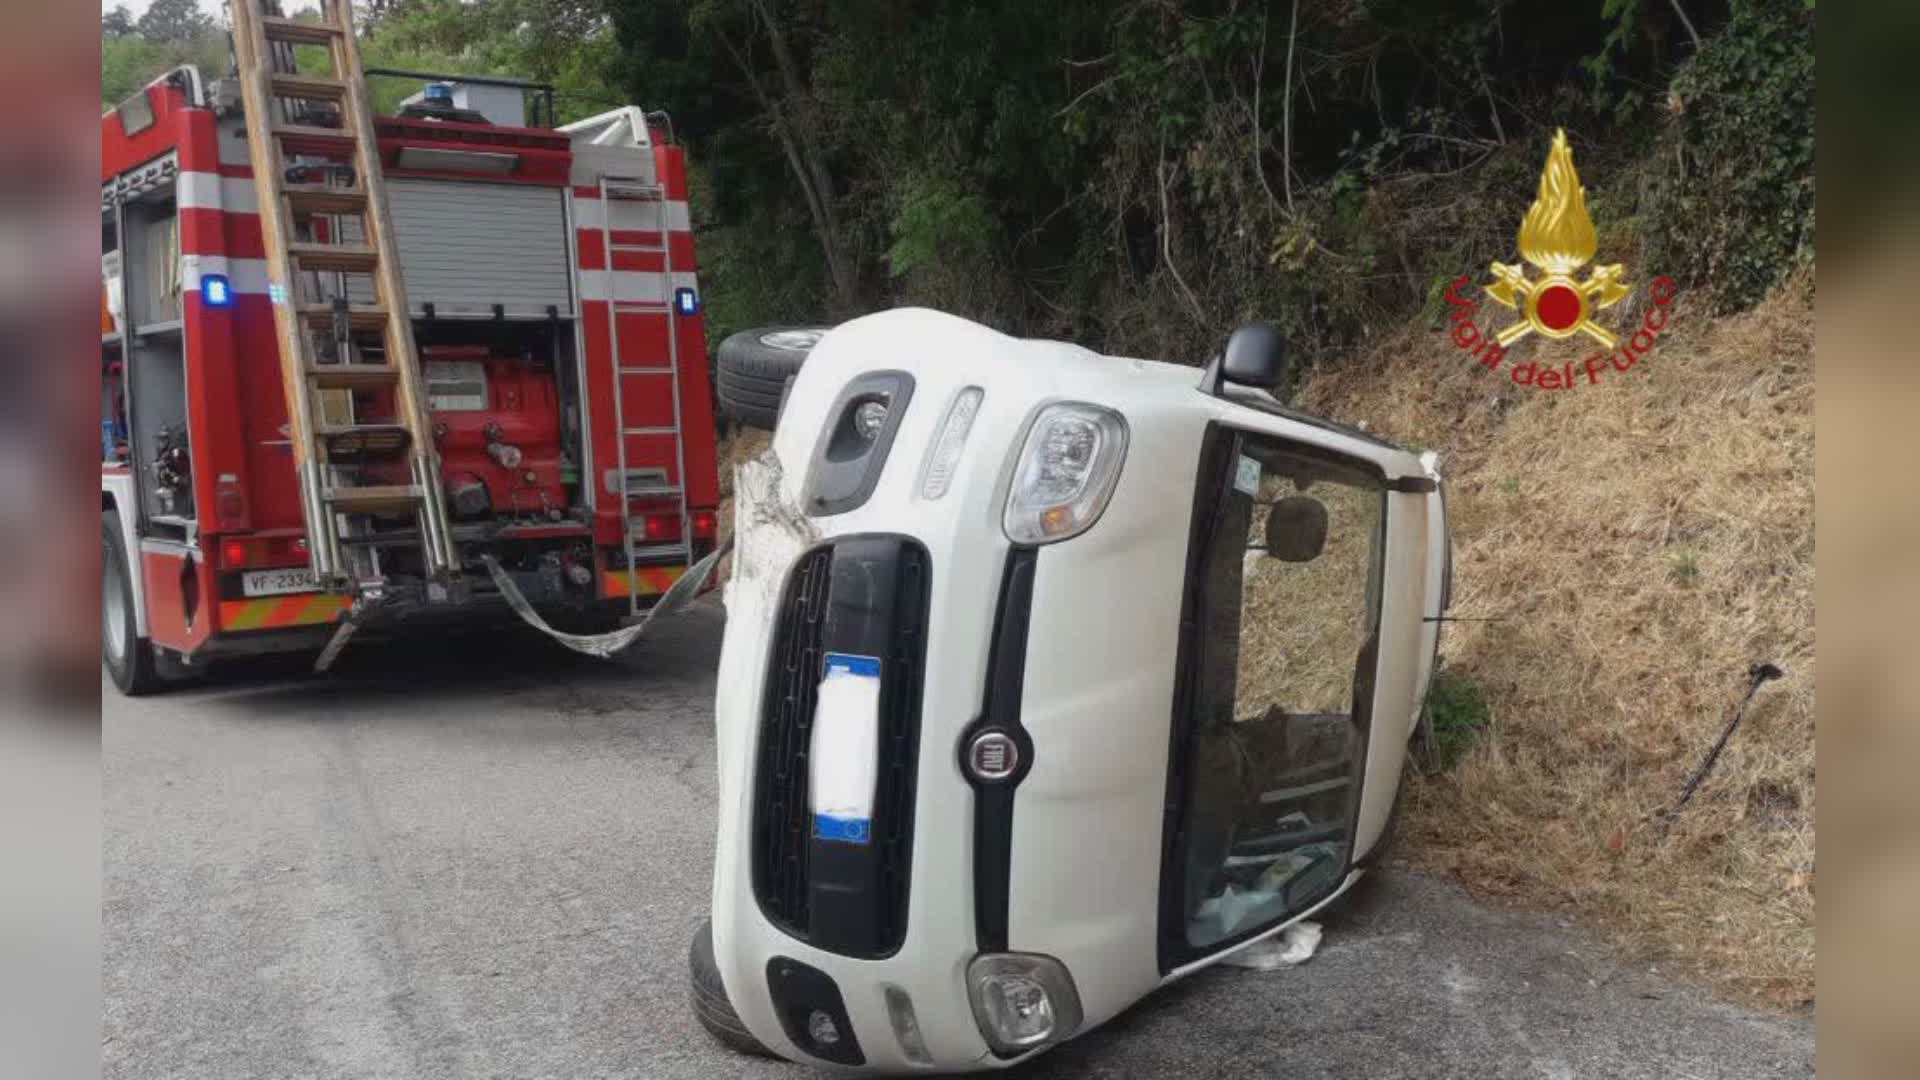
point(274, 612)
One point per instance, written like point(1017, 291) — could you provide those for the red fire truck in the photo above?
point(556, 417)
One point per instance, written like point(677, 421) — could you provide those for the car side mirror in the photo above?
point(1297, 529)
point(1256, 355)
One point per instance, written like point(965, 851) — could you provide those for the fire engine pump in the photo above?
point(496, 425)
point(499, 426)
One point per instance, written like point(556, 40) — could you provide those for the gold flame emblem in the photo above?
point(1557, 237)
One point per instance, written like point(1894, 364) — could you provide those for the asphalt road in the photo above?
point(485, 857)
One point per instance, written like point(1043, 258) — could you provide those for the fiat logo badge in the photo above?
point(992, 756)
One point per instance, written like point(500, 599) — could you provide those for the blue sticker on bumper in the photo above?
point(842, 830)
point(851, 664)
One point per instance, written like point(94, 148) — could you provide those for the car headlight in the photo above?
point(1022, 1000)
point(1067, 470)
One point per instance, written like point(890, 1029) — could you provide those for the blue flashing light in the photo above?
point(686, 301)
point(216, 290)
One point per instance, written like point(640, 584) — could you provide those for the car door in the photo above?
point(1300, 646)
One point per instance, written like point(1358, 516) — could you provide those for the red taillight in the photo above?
point(663, 526)
point(703, 524)
point(252, 553)
point(234, 554)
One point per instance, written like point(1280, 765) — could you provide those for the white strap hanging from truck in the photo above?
point(606, 645)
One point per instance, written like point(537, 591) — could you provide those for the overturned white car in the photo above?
point(1049, 678)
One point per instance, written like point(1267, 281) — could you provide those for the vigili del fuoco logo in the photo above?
point(1557, 238)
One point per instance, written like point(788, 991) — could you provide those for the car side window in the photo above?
point(1289, 603)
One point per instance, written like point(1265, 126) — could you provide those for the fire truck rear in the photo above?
point(551, 296)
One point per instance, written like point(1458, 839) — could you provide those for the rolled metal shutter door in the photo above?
point(466, 247)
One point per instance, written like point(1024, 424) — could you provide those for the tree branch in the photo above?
point(1688, 23)
point(1493, 108)
point(1166, 237)
point(816, 200)
point(1259, 69)
point(809, 167)
point(1286, 119)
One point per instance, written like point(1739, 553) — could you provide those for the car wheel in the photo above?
point(710, 1004)
point(757, 366)
point(127, 656)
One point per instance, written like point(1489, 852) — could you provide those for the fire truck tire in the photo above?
point(757, 366)
point(128, 657)
point(710, 1004)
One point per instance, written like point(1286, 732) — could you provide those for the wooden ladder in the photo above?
point(339, 301)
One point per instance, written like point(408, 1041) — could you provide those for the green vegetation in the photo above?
point(1683, 565)
point(1138, 176)
point(1735, 210)
point(1456, 715)
point(133, 52)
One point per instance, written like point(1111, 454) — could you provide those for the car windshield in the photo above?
point(1287, 602)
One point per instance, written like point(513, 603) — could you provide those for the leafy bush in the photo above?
point(1456, 714)
point(938, 220)
point(1731, 206)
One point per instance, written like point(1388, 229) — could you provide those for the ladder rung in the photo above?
point(373, 500)
point(307, 87)
point(312, 133)
point(353, 376)
point(335, 257)
point(643, 307)
point(645, 553)
point(299, 33)
point(359, 316)
point(320, 199)
point(650, 431)
point(644, 249)
point(653, 492)
point(646, 371)
point(365, 442)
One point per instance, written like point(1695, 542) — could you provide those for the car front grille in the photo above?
point(875, 605)
point(780, 794)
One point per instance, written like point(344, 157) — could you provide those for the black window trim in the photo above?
point(1213, 483)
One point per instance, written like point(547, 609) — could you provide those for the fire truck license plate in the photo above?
point(278, 582)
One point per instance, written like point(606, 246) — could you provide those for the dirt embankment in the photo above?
point(1633, 547)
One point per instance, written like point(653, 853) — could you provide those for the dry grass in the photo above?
point(1637, 544)
point(741, 444)
point(1310, 616)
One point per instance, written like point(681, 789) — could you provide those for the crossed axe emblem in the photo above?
point(1602, 289)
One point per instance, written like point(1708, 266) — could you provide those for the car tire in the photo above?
point(756, 367)
point(709, 997)
point(128, 657)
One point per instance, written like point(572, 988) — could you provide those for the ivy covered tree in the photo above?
point(117, 23)
point(175, 21)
